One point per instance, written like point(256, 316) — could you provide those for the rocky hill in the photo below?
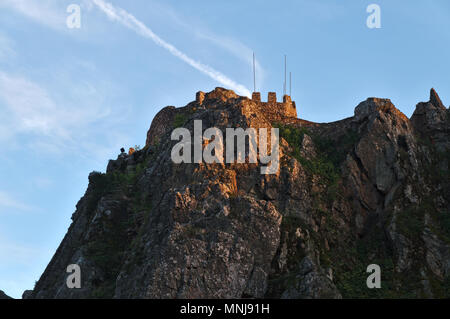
point(370, 189)
point(4, 296)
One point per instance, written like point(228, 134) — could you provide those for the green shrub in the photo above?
point(322, 164)
point(179, 120)
point(411, 222)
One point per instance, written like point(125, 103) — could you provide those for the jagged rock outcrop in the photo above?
point(372, 188)
point(431, 120)
point(162, 122)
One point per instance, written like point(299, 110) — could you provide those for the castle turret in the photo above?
point(286, 99)
point(256, 96)
point(272, 98)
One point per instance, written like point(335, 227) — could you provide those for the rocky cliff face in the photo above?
point(370, 189)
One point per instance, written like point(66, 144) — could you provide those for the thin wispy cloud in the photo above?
point(11, 250)
point(56, 124)
point(53, 14)
point(42, 11)
point(7, 51)
point(42, 183)
point(8, 202)
point(236, 48)
point(195, 28)
point(131, 22)
point(29, 106)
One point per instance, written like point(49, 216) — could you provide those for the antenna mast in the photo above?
point(285, 83)
point(254, 73)
point(290, 83)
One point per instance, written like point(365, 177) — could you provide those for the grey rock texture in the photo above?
point(311, 282)
point(163, 122)
point(372, 188)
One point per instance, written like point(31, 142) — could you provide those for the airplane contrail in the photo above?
point(130, 21)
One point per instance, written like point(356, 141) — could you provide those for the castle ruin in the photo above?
point(286, 108)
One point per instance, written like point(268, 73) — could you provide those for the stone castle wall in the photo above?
point(287, 108)
point(275, 110)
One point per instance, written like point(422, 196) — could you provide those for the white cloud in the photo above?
point(134, 24)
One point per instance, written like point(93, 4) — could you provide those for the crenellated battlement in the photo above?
point(285, 108)
point(256, 96)
point(276, 110)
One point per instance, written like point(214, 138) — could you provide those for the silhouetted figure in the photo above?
point(122, 154)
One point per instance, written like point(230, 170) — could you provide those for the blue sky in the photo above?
point(70, 98)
